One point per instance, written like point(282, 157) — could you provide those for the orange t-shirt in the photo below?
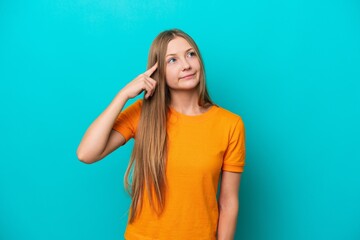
point(199, 148)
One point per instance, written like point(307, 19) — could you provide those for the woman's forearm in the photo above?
point(96, 136)
point(227, 222)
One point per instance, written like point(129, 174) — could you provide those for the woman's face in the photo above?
point(182, 65)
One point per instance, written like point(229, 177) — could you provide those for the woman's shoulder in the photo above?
point(137, 103)
point(133, 108)
point(227, 115)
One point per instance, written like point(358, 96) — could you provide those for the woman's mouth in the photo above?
point(188, 76)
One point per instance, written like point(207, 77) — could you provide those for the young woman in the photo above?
point(183, 143)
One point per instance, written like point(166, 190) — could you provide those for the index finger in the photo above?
point(151, 70)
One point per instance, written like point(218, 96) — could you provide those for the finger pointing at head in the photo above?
point(151, 70)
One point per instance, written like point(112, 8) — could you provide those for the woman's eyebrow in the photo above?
point(175, 53)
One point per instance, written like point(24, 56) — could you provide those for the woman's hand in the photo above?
point(140, 83)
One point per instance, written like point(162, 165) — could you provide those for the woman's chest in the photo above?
point(196, 150)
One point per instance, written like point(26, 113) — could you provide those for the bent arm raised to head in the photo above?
point(99, 139)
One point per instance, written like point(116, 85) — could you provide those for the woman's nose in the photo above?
point(185, 65)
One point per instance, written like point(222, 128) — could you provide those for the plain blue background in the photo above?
point(291, 69)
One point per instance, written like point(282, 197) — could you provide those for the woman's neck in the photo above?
point(186, 102)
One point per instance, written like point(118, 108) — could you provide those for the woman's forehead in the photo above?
point(177, 45)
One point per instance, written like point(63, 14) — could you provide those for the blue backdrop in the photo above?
point(291, 69)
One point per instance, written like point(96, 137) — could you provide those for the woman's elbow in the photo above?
point(229, 204)
point(85, 159)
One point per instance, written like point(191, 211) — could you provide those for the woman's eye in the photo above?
point(191, 54)
point(171, 60)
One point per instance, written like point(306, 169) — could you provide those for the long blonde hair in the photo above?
point(150, 148)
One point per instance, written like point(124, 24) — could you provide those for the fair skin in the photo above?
point(181, 60)
point(228, 205)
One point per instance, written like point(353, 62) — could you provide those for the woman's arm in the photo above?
point(228, 205)
point(97, 135)
point(99, 139)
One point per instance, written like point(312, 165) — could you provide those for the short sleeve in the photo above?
point(127, 121)
point(234, 156)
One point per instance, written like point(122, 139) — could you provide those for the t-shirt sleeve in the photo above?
point(127, 121)
point(234, 156)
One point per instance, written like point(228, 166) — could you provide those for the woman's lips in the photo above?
point(188, 76)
